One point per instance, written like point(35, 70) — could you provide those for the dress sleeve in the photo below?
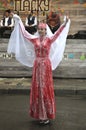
point(26, 34)
point(57, 33)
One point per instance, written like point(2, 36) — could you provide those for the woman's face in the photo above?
point(42, 31)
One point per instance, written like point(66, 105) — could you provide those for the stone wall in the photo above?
point(73, 64)
point(77, 13)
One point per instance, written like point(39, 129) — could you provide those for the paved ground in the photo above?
point(71, 113)
point(70, 102)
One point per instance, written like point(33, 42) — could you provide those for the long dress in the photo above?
point(42, 102)
point(42, 99)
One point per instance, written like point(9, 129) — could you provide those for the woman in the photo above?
point(38, 52)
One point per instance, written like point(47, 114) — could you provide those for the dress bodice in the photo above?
point(42, 48)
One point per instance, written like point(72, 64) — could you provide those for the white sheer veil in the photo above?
point(58, 46)
point(19, 44)
point(24, 49)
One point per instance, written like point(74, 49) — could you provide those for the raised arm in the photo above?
point(26, 34)
point(58, 32)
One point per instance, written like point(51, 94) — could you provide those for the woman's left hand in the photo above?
point(66, 18)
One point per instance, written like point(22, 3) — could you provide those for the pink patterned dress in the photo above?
point(42, 100)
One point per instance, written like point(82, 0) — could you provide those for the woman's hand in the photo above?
point(66, 18)
point(12, 13)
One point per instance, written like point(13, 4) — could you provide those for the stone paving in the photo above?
point(70, 113)
point(70, 105)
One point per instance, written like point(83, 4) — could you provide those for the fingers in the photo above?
point(12, 13)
